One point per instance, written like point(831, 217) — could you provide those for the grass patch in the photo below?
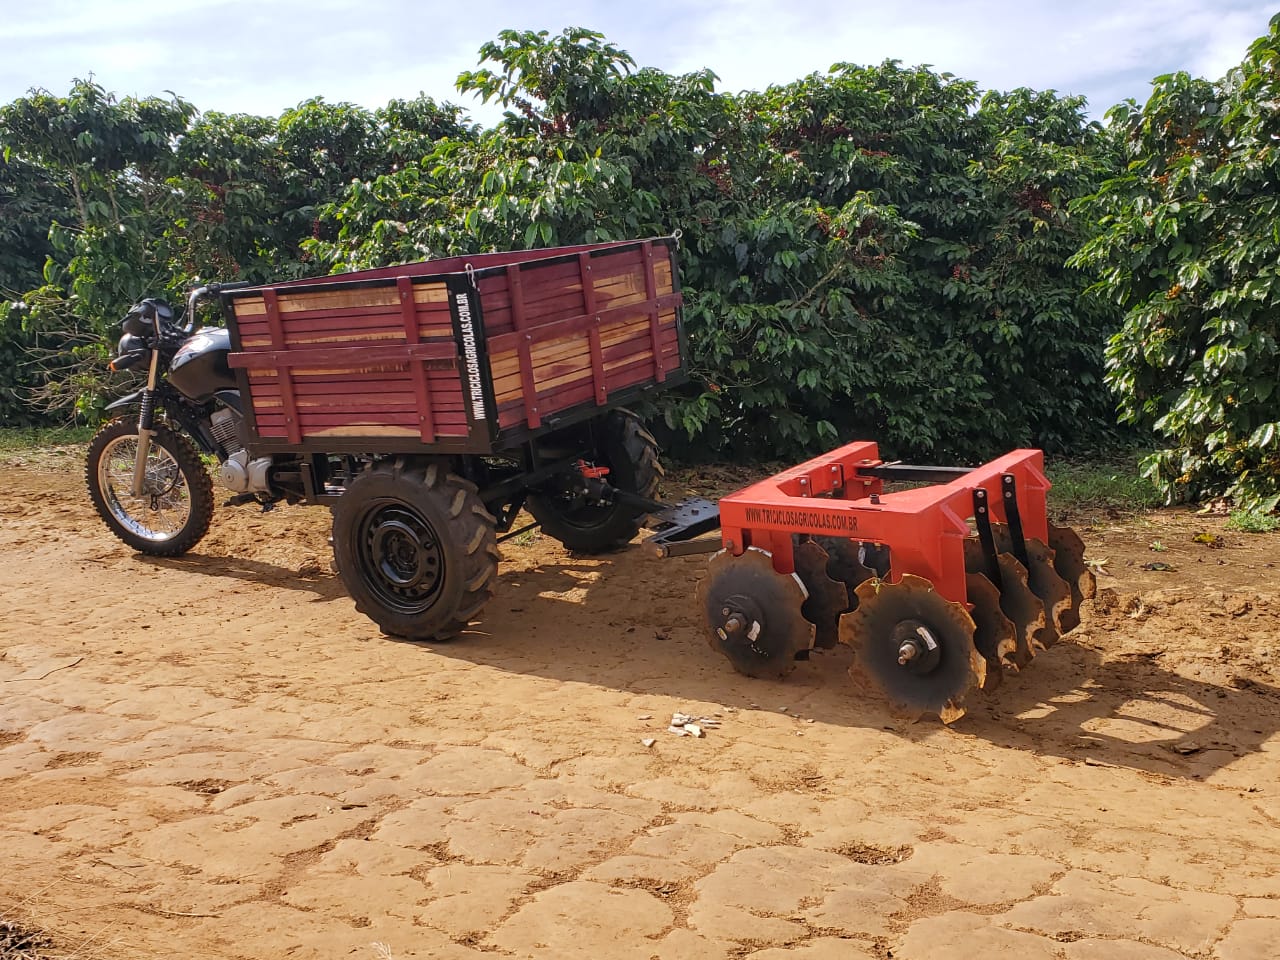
point(1253, 521)
point(526, 537)
point(1111, 483)
point(27, 439)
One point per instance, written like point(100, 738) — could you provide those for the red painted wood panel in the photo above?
point(450, 424)
point(392, 363)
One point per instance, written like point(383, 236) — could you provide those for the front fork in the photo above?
point(146, 426)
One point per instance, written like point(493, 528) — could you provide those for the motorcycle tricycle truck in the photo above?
point(428, 403)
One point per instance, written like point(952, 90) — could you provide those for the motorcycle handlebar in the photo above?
point(208, 290)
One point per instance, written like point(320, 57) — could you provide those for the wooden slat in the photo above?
point(344, 417)
point(576, 324)
point(662, 272)
point(387, 401)
point(393, 382)
point(506, 363)
point(618, 343)
point(422, 394)
point(368, 430)
point(625, 360)
point(593, 331)
point(360, 297)
point(368, 406)
point(292, 427)
point(338, 357)
point(523, 343)
point(655, 332)
point(301, 327)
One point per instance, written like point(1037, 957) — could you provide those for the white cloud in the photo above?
point(261, 56)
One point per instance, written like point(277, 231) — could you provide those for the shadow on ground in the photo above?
point(325, 585)
point(627, 622)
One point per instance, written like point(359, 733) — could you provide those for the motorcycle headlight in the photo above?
point(130, 351)
point(135, 324)
point(140, 320)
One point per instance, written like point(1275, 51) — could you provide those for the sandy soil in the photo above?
point(217, 757)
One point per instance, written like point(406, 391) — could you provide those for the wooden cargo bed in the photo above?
point(469, 354)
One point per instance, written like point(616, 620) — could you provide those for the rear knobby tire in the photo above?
point(177, 506)
point(631, 454)
point(416, 549)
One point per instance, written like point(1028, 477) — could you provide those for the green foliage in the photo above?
point(870, 252)
point(1189, 249)
point(102, 155)
point(31, 439)
point(114, 200)
point(28, 204)
point(1252, 521)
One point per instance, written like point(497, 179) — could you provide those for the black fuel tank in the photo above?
point(199, 368)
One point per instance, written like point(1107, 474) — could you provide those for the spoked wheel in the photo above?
point(176, 505)
point(415, 548)
point(629, 454)
point(913, 646)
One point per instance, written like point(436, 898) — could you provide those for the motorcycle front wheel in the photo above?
point(176, 505)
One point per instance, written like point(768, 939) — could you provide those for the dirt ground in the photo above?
point(217, 757)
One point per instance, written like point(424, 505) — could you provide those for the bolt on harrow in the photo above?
point(938, 589)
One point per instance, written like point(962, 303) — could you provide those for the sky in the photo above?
point(264, 56)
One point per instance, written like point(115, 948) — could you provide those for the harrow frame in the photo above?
point(841, 494)
point(976, 579)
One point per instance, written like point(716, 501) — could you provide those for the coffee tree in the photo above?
point(1188, 249)
point(871, 251)
point(865, 252)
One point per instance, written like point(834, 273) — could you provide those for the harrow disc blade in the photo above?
point(877, 558)
point(1023, 608)
point(753, 613)
point(827, 598)
point(844, 563)
point(913, 646)
point(1052, 590)
point(976, 562)
point(994, 634)
point(1068, 561)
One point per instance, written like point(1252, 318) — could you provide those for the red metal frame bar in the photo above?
point(924, 528)
point(338, 356)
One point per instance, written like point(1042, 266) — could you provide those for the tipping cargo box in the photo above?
point(470, 354)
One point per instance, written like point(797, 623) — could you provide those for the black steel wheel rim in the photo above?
point(400, 556)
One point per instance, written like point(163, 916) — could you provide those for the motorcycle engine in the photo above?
point(226, 429)
point(238, 473)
